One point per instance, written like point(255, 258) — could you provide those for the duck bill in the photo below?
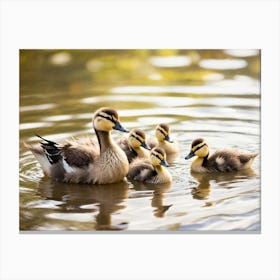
point(144, 145)
point(119, 127)
point(190, 155)
point(167, 138)
point(164, 163)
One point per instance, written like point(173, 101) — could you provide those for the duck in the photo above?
point(135, 145)
point(220, 161)
point(150, 170)
point(162, 139)
point(85, 160)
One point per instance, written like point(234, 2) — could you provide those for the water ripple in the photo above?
point(170, 61)
point(223, 64)
point(229, 87)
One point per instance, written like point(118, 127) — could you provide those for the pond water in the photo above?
point(214, 94)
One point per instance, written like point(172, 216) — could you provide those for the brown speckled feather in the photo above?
point(80, 152)
point(141, 170)
point(228, 160)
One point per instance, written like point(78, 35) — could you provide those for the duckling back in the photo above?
point(229, 160)
point(141, 170)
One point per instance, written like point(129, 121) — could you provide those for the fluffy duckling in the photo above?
point(150, 170)
point(84, 160)
point(220, 161)
point(135, 145)
point(162, 140)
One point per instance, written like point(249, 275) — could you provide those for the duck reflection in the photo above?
point(203, 188)
point(102, 199)
point(158, 197)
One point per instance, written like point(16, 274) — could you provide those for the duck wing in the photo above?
point(229, 160)
point(141, 170)
point(76, 153)
point(80, 152)
point(223, 161)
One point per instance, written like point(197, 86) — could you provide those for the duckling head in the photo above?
point(199, 148)
point(162, 132)
point(137, 138)
point(158, 157)
point(106, 119)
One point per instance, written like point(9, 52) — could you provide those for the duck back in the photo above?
point(228, 160)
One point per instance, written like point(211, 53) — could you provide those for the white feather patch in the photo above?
point(67, 167)
point(220, 160)
point(144, 173)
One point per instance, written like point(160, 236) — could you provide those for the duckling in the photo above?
point(163, 140)
point(135, 145)
point(220, 161)
point(150, 170)
point(84, 160)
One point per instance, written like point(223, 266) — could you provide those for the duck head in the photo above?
point(107, 119)
point(158, 157)
point(199, 148)
point(137, 138)
point(162, 132)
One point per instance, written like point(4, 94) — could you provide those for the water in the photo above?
point(214, 94)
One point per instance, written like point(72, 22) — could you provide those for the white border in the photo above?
point(135, 24)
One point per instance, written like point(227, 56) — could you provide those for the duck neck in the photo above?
point(159, 169)
point(163, 175)
point(141, 152)
point(104, 139)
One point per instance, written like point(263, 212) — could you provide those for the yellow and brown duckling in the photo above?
point(151, 170)
point(220, 161)
point(162, 140)
point(84, 160)
point(135, 145)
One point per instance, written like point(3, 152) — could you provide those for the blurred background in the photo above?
point(213, 94)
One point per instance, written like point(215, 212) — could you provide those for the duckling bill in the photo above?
point(220, 161)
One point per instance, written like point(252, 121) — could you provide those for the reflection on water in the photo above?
point(214, 94)
point(98, 201)
point(203, 188)
point(158, 194)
